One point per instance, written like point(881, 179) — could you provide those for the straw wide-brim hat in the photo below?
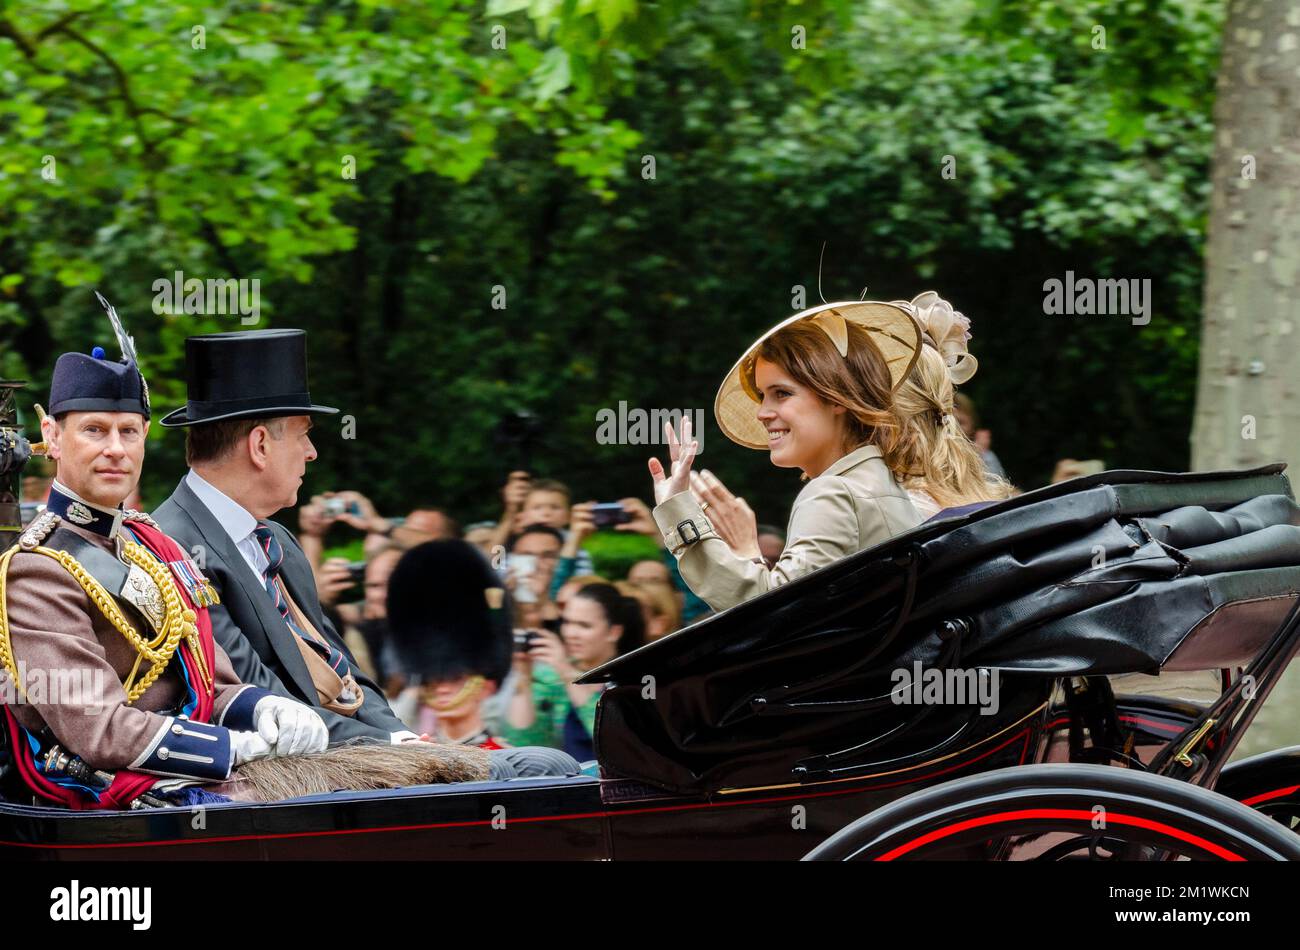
point(891, 327)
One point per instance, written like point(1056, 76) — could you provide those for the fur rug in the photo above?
point(357, 766)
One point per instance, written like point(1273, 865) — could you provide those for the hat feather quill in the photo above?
point(127, 344)
point(124, 340)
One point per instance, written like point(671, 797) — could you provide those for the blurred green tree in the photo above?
point(645, 186)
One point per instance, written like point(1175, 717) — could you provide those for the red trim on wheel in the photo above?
point(1074, 814)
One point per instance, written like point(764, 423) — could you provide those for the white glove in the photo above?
point(290, 727)
point(248, 746)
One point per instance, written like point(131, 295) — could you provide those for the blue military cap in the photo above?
point(94, 383)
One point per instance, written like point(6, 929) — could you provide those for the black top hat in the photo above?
point(94, 383)
point(441, 614)
point(252, 373)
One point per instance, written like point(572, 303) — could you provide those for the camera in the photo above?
point(524, 640)
point(337, 506)
point(608, 514)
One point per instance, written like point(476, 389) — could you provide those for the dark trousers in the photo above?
point(529, 762)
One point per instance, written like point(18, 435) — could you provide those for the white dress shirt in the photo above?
point(235, 519)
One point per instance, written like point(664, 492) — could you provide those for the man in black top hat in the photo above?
point(248, 418)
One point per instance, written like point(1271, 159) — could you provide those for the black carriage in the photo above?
point(1115, 636)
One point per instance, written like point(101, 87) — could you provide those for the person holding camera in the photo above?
point(546, 708)
point(544, 502)
point(530, 566)
point(357, 511)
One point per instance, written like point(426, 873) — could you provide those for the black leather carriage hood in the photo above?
point(1119, 572)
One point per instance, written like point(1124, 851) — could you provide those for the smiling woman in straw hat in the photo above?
point(815, 391)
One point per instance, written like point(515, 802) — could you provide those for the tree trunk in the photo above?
point(1247, 412)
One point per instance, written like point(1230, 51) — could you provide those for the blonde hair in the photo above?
point(657, 598)
point(860, 381)
point(934, 455)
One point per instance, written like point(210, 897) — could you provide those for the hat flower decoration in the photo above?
point(947, 330)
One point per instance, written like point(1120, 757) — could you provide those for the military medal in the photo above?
point(199, 588)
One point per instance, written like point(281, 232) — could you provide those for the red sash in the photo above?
point(127, 785)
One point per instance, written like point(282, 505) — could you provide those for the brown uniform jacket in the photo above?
point(72, 662)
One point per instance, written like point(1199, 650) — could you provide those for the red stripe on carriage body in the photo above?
point(574, 816)
point(1269, 796)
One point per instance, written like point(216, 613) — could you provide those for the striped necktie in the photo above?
point(275, 558)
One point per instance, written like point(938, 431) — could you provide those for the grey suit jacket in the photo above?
point(250, 629)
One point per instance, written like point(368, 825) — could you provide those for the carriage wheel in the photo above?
point(1055, 812)
point(1268, 783)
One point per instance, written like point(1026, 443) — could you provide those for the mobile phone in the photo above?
point(1091, 467)
point(521, 568)
point(608, 514)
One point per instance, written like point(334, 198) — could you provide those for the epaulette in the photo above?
point(40, 529)
point(132, 515)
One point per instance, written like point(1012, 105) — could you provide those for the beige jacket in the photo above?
point(853, 505)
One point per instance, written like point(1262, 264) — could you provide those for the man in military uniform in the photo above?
point(100, 601)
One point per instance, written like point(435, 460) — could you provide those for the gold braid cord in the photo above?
point(6, 648)
point(179, 623)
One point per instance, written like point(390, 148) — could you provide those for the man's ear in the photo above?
point(50, 432)
point(255, 442)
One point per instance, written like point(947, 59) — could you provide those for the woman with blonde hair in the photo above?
point(934, 460)
point(816, 391)
point(658, 606)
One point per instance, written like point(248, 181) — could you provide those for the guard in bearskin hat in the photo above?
point(113, 691)
point(456, 646)
point(449, 619)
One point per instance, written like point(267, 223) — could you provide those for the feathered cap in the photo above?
point(94, 383)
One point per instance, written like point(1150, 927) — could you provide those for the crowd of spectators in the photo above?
point(567, 618)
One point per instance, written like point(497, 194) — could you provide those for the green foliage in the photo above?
point(613, 553)
point(523, 168)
